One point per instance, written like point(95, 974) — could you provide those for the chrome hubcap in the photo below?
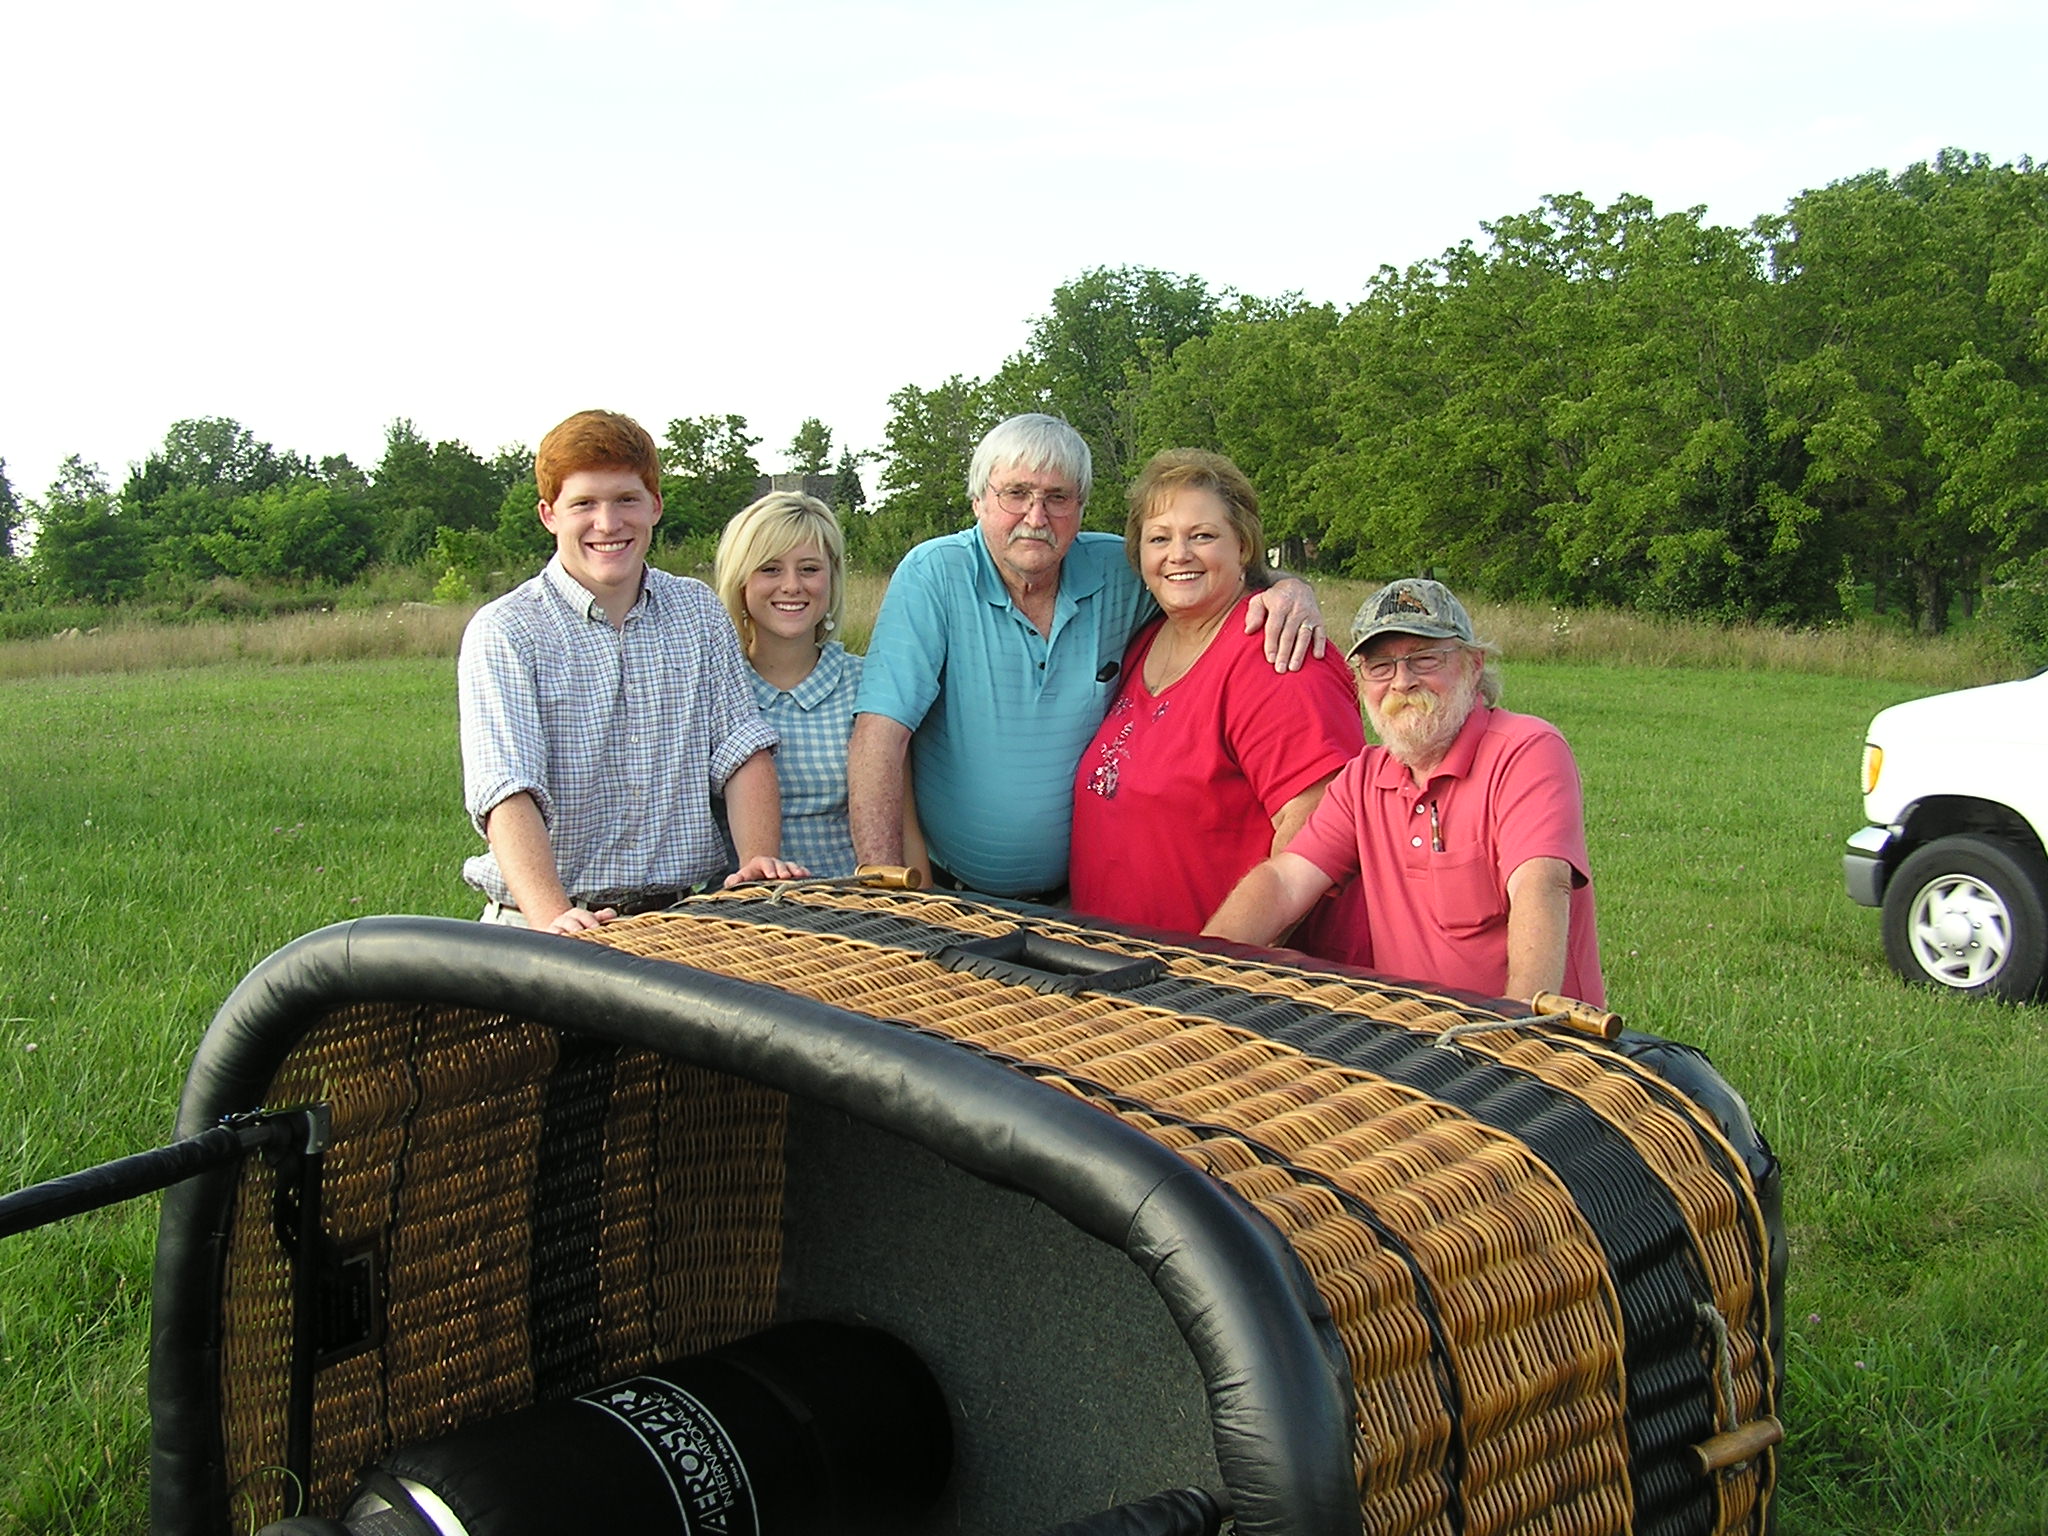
point(1960, 930)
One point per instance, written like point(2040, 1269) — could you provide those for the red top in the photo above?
point(1507, 793)
point(1174, 798)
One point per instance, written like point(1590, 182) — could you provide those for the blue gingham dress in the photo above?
point(814, 720)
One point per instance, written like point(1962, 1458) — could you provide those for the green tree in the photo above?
point(1678, 503)
point(1089, 358)
point(10, 515)
point(341, 472)
point(1454, 448)
point(1988, 438)
point(810, 451)
point(1883, 282)
point(211, 453)
point(181, 495)
point(519, 541)
point(462, 556)
point(1575, 411)
point(85, 548)
point(710, 473)
point(511, 464)
point(927, 448)
point(303, 531)
point(1258, 387)
point(466, 489)
point(848, 494)
point(422, 487)
point(402, 493)
point(179, 527)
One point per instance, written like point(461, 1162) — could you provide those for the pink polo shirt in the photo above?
point(1507, 793)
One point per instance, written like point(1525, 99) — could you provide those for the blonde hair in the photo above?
point(767, 530)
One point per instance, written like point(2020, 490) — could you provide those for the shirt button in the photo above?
point(1414, 842)
point(1420, 809)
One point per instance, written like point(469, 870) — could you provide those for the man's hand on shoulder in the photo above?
point(1293, 622)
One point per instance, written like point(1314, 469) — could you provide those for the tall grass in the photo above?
point(161, 831)
point(411, 629)
point(1526, 632)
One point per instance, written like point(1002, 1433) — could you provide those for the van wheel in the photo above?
point(1970, 913)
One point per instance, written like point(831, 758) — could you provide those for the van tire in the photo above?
point(1970, 913)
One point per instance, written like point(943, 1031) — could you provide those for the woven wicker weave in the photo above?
point(440, 1124)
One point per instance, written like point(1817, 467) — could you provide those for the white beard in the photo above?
point(1417, 726)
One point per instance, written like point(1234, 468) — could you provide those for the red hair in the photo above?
point(596, 440)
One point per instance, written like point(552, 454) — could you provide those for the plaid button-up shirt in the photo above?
point(621, 735)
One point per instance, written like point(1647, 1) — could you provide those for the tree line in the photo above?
point(1840, 408)
point(214, 501)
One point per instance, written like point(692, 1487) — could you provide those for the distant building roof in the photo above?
point(824, 487)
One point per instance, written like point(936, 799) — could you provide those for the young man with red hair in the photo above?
point(603, 704)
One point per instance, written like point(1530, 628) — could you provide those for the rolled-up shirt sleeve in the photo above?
point(504, 749)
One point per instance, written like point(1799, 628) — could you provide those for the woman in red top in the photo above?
point(1208, 760)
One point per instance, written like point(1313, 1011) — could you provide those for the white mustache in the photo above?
point(1421, 700)
point(1026, 531)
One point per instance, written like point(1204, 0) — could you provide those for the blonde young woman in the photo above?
point(781, 575)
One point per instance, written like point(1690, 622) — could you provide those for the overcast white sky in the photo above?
point(317, 218)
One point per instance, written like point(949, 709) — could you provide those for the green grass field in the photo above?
point(161, 831)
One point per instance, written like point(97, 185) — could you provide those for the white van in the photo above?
point(1956, 790)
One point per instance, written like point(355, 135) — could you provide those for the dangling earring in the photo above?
point(830, 623)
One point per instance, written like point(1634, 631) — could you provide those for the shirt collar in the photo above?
point(581, 599)
point(1078, 579)
point(814, 689)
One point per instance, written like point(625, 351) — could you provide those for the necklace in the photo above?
point(1172, 658)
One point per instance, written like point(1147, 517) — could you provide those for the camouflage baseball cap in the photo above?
point(1412, 606)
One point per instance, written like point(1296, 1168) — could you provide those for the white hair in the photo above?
point(1036, 444)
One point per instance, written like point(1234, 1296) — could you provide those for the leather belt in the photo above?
point(631, 903)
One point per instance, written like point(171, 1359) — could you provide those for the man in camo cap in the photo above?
point(1465, 824)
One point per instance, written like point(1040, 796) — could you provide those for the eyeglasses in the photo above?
point(1017, 499)
point(1418, 663)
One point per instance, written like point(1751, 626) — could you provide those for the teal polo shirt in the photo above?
point(999, 713)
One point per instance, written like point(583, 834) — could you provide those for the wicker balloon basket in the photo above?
point(1351, 1255)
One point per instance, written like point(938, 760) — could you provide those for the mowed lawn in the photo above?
point(160, 832)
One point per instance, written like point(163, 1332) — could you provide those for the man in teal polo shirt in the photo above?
point(995, 654)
